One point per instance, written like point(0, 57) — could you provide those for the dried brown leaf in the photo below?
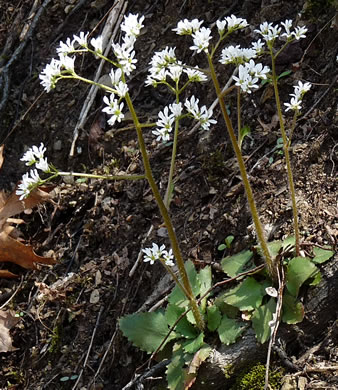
point(13, 205)
point(14, 251)
point(7, 321)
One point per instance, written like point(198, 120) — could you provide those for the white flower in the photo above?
point(164, 124)
point(186, 27)
point(114, 109)
point(82, 39)
point(287, 25)
point(125, 56)
point(269, 32)
point(66, 48)
point(295, 104)
point(168, 258)
point(33, 154)
point(29, 157)
point(221, 26)
point(201, 40)
point(162, 134)
point(42, 164)
point(132, 25)
point(115, 77)
point(257, 70)
point(205, 118)
point(245, 80)
point(203, 115)
point(28, 183)
point(162, 59)
point(296, 100)
point(235, 23)
point(258, 46)
point(176, 109)
point(97, 44)
point(301, 88)
point(299, 32)
point(121, 89)
point(236, 55)
point(49, 75)
point(67, 62)
point(174, 72)
point(192, 105)
point(195, 75)
point(156, 77)
point(154, 253)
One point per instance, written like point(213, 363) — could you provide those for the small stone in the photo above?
point(57, 145)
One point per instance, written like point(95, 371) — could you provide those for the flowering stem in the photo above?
point(286, 144)
point(104, 177)
point(239, 117)
point(167, 220)
point(170, 188)
point(173, 275)
point(244, 175)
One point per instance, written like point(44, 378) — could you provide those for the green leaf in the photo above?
point(245, 130)
point(275, 246)
point(186, 329)
point(214, 317)
point(234, 265)
point(146, 330)
point(221, 247)
point(172, 313)
point(299, 270)
point(192, 346)
point(205, 280)
point(283, 74)
point(229, 330)
point(228, 240)
point(176, 373)
point(293, 310)
point(321, 255)
point(247, 295)
point(261, 318)
point(177, 295)
point(316, 280)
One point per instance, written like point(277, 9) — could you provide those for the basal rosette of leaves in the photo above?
point(228, 315)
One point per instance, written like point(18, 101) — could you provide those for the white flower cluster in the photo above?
point(158, 253)
point(270, 32)
point(202, 35)
point(166, 120)
point(164, 64)
point(34, 155)
point(237, 55)
point(53, 71)
point(249, 74)
point(202, 114)
point(297, 96)
point(65, 64)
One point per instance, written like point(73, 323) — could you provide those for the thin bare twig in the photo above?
point(114, 19)
point(4, 72)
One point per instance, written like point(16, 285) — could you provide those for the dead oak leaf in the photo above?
point(7, 321)
point(14, 251)
point(11, 249)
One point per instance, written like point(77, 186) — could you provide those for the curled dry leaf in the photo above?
point(11, 249)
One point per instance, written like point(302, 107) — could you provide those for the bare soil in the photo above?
point(96, 229)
